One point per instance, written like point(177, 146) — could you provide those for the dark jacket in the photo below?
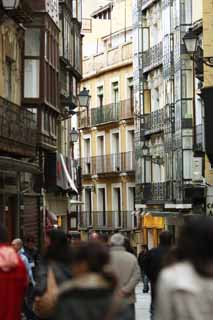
point(62, 273)
point(88, 298)
point(142, 261)
point(155, 261)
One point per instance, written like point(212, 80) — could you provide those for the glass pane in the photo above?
point(31, 78)
point(32, 42)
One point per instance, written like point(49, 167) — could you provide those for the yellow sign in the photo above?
point(153, 222)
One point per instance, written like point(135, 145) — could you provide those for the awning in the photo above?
point(64, 180)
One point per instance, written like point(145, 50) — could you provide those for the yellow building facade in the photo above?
point(107, 132)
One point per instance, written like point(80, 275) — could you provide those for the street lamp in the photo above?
point(73, 138)
point(10, 4)
point(84, 98)
point(190, 40)
point(73, 135)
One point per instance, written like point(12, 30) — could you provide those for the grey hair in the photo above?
point(18, 242)
point(117, 240)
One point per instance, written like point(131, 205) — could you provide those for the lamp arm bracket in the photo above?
point(208, 61)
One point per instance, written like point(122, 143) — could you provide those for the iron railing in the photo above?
point(111, 163)
point(113, 112)
point(18, 127)
point(154, 121)
point(158, 120)
point(109, 220)
point(154, 191)
point(153, 57)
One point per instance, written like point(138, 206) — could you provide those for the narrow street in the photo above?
point(143, 304)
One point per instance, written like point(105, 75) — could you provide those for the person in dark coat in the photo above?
point(58, 257)
point(156, 258)
point(91, 293)
point(142, 261)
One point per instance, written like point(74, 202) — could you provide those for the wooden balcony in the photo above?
point(109, 164)
point(17, 129)
point(108, 220)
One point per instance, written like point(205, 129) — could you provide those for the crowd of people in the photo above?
point(96, 279)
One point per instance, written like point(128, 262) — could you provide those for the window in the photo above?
point(32, 63)
point(100, 96)
point(8, 78)
point(46, 121)
point(115, 92)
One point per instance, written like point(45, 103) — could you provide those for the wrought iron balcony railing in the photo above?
point(17, 129)
point(112, 112)
point(153, 57)
point(154, 191)
point(108, 220)
point(154, 121)
point(107, 113)
point(111, 163)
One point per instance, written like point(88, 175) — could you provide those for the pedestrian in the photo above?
point(31, 252)
point(90, 295)
point(13, 280)
point(156, 259)
point(17, 244)
point(126, 268)
point(142, 261)
point(185, 289)
point(128, 246)
point(55, 269)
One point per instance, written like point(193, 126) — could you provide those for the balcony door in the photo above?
point(88, 206)
point(87, 156)
point(130, 147)
point(101, 205)
point(131, 207)
point(117, 205)
point(100, 163)
point(115, 152)
point(115, 100)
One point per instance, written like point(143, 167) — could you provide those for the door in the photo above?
point(115, 157)
point(117, 214)
point(131, 207)
point(101, 207)
point(87, 156)
point(100, 162)
point(88, 207)
point(130, 150)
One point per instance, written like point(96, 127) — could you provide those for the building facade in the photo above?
point(107, 127)
point(19, 201)
point(169, 128)
point(56, 72)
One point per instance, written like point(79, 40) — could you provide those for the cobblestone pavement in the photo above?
point(143, 304)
